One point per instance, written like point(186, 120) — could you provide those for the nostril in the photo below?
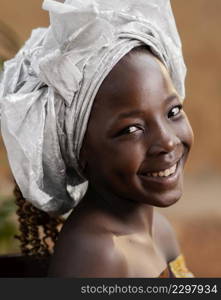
point(162, 147)
point(162, 139)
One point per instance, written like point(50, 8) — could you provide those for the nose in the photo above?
point(163, 140)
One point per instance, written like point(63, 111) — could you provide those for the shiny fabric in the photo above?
point(47, 90)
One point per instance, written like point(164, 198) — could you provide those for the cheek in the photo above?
point(117, 158)
point(127, 155)
point(187, 133)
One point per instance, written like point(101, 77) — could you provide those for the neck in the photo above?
point(133, 216)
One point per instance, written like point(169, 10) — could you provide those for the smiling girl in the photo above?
point(103, 90)
point(134, 151)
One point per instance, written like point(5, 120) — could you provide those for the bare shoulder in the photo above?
point(166, 237)
point(86, 253)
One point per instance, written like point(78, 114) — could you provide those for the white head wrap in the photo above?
point(47, 90)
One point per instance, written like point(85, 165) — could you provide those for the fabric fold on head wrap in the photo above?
point(47, 90)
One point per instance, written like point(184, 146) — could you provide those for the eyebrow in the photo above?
point(134, 113)
point(172, 97)
point(131, 113)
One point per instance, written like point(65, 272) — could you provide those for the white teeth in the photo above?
point(164, 173)
point(167, 172)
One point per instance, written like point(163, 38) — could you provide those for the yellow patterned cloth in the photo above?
point(177, 268)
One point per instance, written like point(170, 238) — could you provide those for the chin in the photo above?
point(163, 197)
point(168, 201)
point(163, 192)
point(168, 198)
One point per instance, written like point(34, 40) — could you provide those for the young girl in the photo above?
point(94, 114)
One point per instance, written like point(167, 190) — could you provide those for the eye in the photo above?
point(175, 111)
point(130, 129)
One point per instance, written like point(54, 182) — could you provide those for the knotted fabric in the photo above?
point(47, 90)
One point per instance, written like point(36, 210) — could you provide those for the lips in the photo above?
point(163, 173)
point(165, 177)
point(161, 169)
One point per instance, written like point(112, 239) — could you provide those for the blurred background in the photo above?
point(197, 216)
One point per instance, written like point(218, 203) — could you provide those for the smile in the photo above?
point(165, 179)
point(163, 173)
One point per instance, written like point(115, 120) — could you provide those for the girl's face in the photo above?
point(138, 136)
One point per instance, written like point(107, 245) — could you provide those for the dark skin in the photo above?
point(134, 151)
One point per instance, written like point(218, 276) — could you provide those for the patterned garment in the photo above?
point(177, 269)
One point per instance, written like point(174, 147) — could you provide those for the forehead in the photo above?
point(138, 80)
